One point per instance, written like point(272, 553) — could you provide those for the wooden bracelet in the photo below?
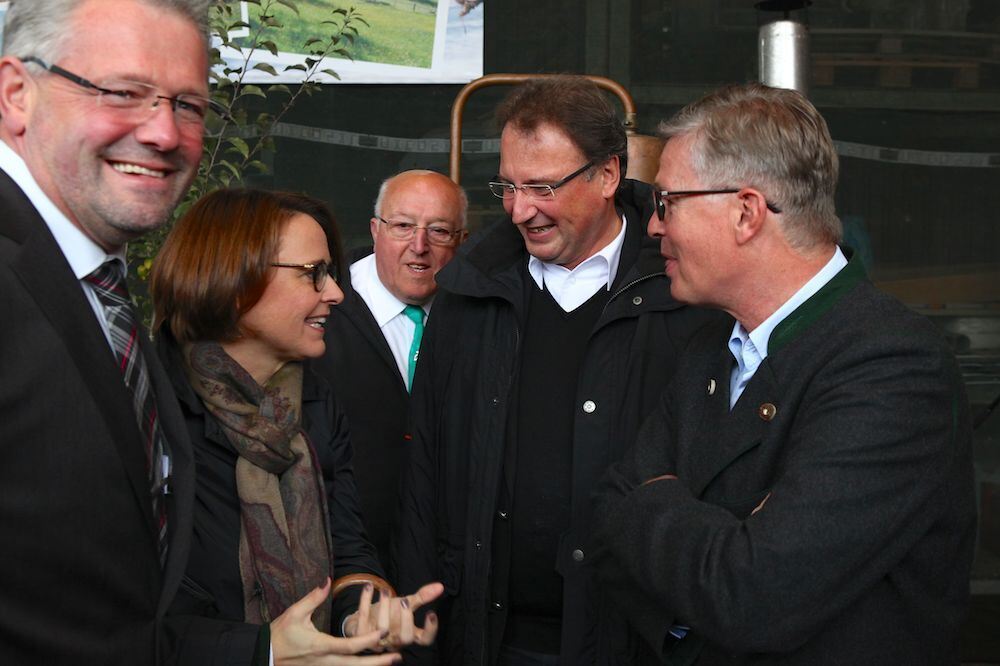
point(344, 582)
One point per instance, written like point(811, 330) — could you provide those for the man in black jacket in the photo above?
point(371, 337)
point(551, 340)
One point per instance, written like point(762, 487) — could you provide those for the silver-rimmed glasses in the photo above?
point(139, 99)
point(437, 234)
point(504, 190)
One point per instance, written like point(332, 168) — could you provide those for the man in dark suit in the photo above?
point(100, 136)
point(804, 493)
point(371, 338)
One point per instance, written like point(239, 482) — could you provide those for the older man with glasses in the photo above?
point(373, 337)
point(553, 335)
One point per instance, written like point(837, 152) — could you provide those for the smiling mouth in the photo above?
point(319, 323)
point(537, 231)
point(420, 268)
point(135, 169)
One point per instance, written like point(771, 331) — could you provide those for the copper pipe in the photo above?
point(458, 107)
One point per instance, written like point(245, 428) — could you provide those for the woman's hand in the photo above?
point(392, 618)
point(296, 642)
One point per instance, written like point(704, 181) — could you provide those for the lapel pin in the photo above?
point(767, 411)
point(711, 387)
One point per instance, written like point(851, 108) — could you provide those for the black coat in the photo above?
point(855, 428)
point(366, 382)
point(460, 411)
point(207, 616)
point(80, 580)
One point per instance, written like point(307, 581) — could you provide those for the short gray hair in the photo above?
point(463, 199)
point(771, 139)
point(41, 28)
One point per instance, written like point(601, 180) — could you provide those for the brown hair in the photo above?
point(216, 262)
point(574, 104)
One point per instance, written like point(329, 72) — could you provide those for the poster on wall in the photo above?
point(400, 41)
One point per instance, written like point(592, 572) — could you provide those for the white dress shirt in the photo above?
point(573, 288)
point(397, 328)
point(82, 253)
point(750, 349)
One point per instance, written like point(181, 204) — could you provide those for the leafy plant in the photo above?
point(234, 145)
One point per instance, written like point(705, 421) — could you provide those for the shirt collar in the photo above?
point(83, 254)
point(382, 304)
point(600, 266)
point(762, 334)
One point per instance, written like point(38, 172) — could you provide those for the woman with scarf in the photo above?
point(241, 290)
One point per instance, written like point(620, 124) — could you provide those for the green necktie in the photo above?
point(414, 313)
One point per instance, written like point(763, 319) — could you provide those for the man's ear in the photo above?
point(373, 227)
point(753, 212)
point(611, 177)
point(17, 96)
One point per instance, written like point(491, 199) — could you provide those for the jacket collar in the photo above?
point(819, 303)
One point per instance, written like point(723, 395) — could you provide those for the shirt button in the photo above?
point(502, 515)
point(578, 555)
point(637, 300)
point(495, 401)
point(479, 544)
point(498, 605)
point(590, 406)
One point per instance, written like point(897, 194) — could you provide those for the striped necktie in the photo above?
point(414, 313)
point(109, 285)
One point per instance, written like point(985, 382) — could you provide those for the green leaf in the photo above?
point(311, 41)
point(299, 66)
point(269, 45)
point(264, 67)
point(279, 88)
point(332, 73)
point(289, 4)
point(239, 145)
point(237, 25)
point(251, 89)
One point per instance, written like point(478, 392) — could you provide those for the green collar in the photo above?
point(819, 303)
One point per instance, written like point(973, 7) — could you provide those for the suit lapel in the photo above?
point(361, 317)
point(48, 279)
point(180, 504)
point(725, 435)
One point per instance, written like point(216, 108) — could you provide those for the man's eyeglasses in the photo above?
point(141, 99)
point(502, 190)
point(318, 272)
point(660, 199)
point(436, 234)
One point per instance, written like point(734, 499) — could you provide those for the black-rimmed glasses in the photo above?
point(436, 234)
point(318, 272)
point(135, 97)
point(503, 190)
point(660, 199)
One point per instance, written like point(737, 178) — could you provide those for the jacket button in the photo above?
point(589, 406)
point(577, 555)
point(494, 401)
point(637, 300)
point(498, 605)
point(479, 544)
point(502, 515)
